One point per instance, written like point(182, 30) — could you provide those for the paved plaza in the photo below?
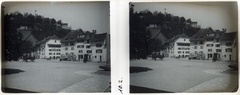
point(57, 76)
point(183, 75)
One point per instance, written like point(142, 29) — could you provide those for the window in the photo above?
point(195, 52)
point(183, 52)
point(217, 40)
point(66, 48)
point(50, 53)
point(88, 46)
point(81, 56)
point(184, 39)
point(99, 51)
point(195, 47)
point(66, 44)
point(201, 47)
point(228, 44)
point(98, 45)
point(80, 46)
point(179, 48)
point(80, 51)
point(209, 50)
point(55, 41)
point(179, 52)
point(50, 49)
point(218, 50)
point(72, 48)
point(210, 34)
point(195, 43)
point(209, 45)
point(201, 42)
point(187, 52)
point(71, 44)
point(210, 55)
point(217, 45)
point(88, 41)
point(209, 39)
point(89, 51)
point(66, 53)
point(228, 50)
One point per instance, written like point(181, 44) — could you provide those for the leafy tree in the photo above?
point(139, 36)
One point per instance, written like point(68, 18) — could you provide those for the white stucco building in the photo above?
point(205, 44)
point(229, 46)
point(99, 47)
point(179, 46)
point(77, 44)
point(50, 47)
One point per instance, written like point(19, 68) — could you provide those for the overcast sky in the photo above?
point(85, 15)
point(215, 15)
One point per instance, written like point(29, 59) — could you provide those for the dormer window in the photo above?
point(81, 36)
point(210, 34)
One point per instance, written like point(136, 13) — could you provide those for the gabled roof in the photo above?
point(201, 34)
point(229, 36)
point(54, 37)
point(99, 37)
point(173, 39)
point(74, 35)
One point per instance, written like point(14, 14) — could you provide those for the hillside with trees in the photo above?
point(140, 38)
point(13, 46)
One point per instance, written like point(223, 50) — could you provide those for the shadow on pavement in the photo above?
point(139, 69)
point(138, 89)
point(7, 71)
point(11, 90)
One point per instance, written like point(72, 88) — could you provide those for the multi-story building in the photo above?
point(99, 47)
point(178, 46)
point(205, 44)
point(28, 36)
point(157, 34)
point(229, 46)
point(77, 44)
point(49, 47)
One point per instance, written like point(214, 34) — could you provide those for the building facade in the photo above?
point(99, 47)
point(205, 44)
point(178, 46)
point(76, 45)
point(49, 47)
point(229, 46)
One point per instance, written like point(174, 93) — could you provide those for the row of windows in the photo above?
point(82, 46)
point(88, 51)
point(179, 52)
point(54, 49)
point(54, 53)
point(219, 50)
point(72, 44)
point(195, 47)
point(183, 48)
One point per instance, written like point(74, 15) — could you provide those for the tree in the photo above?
point(139, 36)
point(11, 38)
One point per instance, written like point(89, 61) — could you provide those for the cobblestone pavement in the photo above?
point(182, 75)
point(56, 76)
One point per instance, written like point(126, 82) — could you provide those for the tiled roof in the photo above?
point(229, 36)
point(54, 37)
point(201, 34)
point(98, 37)
point(74, 35)
point(178, 36)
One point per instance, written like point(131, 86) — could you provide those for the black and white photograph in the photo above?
point(56, 47)
point(183, 47)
